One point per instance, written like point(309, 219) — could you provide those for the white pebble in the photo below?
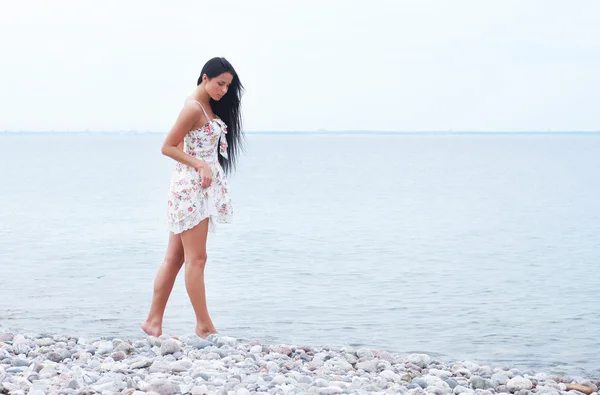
point(200, 390)
point(519, 383)
point(272, 367)
point(256, 349)
point(421, 360)
point(104, 347)
point(389, 375)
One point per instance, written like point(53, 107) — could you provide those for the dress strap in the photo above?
point(203, 110)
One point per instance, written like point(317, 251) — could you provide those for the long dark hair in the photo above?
point(228, 109)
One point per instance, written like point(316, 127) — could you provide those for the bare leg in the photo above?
point(163, 285)
point(194, 245)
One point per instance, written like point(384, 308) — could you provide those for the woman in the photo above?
point(204, 141)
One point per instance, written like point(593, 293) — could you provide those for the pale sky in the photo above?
point(387, 65)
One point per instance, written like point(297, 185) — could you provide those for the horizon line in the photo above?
point(319, 132)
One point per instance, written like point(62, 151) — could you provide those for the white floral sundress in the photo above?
point(188, 202)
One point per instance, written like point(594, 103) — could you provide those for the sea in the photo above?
point(466, 246)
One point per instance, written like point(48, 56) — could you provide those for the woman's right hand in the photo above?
point(205, 174)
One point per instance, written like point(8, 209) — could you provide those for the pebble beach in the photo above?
point(62, 364)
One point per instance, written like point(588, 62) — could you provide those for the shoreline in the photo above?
point(51, 364)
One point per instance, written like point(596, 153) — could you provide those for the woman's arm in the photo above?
point(172, 146)
point(173, 143)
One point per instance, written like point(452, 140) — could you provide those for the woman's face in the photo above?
point(217, 87)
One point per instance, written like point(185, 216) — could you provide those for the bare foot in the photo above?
point(204, 332)
point(152, 329)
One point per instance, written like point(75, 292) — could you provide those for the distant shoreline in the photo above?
point(541, 133)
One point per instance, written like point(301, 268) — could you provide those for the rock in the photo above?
point(74, 384)
point(47, 373)
point(124, 347)
point(451, 383)
point(221, 341)
point(202, 344)
point(31, 378)
point(199, 390)
point(16, 369)
point(436, 391)
point(169, 346)
point(479, 383)
point(330, 390)
point(414, 390)
point(272, 367)
point(436, 382)
point(141, 364)
point(305, 380)
point(112, 386)
point(44, 342)
point(443, 374)
point(37, 367)
point(519, 383)
point(195, 342)
point(164, 387)
point(486, 372)
point(6, 338)
point(367, 366)
point(459, 389)
point(19, 362)
point(499, 378)
point(256, 349)
point(179, 366)
point(339, 363)
point(364, 354)
point(472, 367)
point(20, 348)
point(281, 349)
point(321, 382)
point(580, 388)
point(118, 356)
point(421, 382)
point(390, 376)
point(421, 360)
point(54, 357)
point(236, 358)
point(591, 384)
point(547, 390)
point(279, 379)
point(4, 354)
point(103, 347)
point(315, 364)
point(464, 372)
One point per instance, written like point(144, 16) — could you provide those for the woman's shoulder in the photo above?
point(191, 106)
point(189, 101)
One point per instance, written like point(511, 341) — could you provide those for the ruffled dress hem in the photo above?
point(208, 210)
point(195, 218)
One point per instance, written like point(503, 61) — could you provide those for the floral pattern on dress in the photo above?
point(189, 203)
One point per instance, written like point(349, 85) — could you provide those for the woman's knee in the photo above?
point(198, 259)
point(174, 260)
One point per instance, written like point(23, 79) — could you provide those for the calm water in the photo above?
point(477, 247)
